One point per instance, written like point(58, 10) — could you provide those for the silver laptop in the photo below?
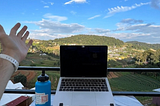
point(83, 77)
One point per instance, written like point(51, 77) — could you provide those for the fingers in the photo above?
point(14, 29)
point(21, 32)
point(2, 30)
point(29, 43)
point(25, 36)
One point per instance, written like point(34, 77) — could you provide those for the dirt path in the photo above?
point(111, 75)
point(29, 74)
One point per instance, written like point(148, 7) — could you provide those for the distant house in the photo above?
point(115, 55)
point(119, 58)
point(43, 54)
point(71, 44)
point(109, 51)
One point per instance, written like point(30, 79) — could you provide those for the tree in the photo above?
point(146, 57)
point(156, 56)
point(20, 78)
point(139, 58)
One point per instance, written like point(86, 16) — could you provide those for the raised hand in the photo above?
point(14, 43)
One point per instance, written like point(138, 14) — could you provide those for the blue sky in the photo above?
point(127, 20)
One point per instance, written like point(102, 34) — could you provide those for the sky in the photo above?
point(126, 20)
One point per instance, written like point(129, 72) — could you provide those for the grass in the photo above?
point(37, 60)
point(34, 59)
point(53, 77)
point(125, 81)
point(133, 82)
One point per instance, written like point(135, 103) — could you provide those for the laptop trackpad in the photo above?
point(83, 99)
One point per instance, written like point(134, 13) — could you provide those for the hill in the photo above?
point(144, 46)
point(89, 40)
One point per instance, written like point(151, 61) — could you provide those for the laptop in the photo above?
point(83, 77)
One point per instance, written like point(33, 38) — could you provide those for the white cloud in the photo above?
point(118, 9)
point(51, 29)
point(121, 35)
point(131, 21)
point(137, 26)
point(51, 3)
point(136, 30)
point(156, 37)
point(145, 28)
point(73, 12)
point(132, 29)
point(99, 30)
point(75, 1)
point(46, 36)
point(126, 23)
point(44, 2)
point(94, 17)
point(127, 29)
point(46, 6)
point(55, 18)
point(127, 35)
point(155, 4)
point(57, 27)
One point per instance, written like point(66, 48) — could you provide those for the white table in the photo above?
point(119, 101)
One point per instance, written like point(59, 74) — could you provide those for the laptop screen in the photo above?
point(83, 61)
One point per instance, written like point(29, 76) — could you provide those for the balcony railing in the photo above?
point(152, 94)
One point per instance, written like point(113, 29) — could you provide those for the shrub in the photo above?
point(32, 64)
point(20, 78)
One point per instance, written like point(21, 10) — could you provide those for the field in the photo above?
point(127, 81)
point(38, 59)
point(53, 77)
point(119, 81)
point(29, 74)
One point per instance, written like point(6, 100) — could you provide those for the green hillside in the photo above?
point(90, 40)
point(144, 46)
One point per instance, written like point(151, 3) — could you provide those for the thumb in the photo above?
point(2, 32)
point(29, 43)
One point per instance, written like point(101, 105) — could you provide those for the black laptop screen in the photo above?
point(83, 61)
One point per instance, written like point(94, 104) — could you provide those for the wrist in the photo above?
point(11, 60)
point(13, 55)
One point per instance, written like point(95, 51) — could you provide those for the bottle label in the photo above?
point(41, 98)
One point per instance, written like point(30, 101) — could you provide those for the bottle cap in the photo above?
point(43, 77)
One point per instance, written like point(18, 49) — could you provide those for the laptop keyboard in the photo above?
point(83, 85)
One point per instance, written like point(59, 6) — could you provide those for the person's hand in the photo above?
point(14, 44)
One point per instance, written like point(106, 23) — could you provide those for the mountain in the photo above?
point(142, 45)
point(50, 45)
point(89, 40)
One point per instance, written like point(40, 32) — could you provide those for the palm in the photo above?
point(15, 43)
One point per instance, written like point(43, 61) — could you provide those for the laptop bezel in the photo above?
point(61, 66)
